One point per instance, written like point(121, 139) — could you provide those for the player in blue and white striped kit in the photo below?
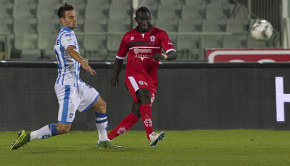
point(72, 93)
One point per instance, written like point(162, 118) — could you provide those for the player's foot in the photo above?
point(155, 137)
point(22, 139)
point(108, 145)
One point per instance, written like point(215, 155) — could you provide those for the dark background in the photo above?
point(190, 96)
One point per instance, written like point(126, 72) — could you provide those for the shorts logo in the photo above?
point(142, 83)
point(71, 115)
point(148, 122)
point(121, 130)
point(152, 38)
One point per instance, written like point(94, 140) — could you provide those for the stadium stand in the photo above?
point(213, 41)
point(237, 25)
point(220, 2)
point(151, 4)
point(114, 16)
point(233, 42)
point(6, 11)
point(188, 45)
point(193, 12)
point(196, 2)
point(167, 12)
point(46, 36)
point(45, 10)
point(174, 3)
point(6, 25)
point(215, 11)
point(99, 4)
point(252, 43)
point(239, 11)
point(119, 12)
point(169, 26)
point(6, 18)
point(95, 45)
point(96, 13)
point(123, 3)
point(113, 41)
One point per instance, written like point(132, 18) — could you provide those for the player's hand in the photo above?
point(158, 56)
point(115, 81)
point(87, 67)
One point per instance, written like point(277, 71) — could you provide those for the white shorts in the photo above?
point(72, 98)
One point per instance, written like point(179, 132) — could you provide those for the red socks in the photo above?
point(145, 111)
point(131, 119)
point(125, 125)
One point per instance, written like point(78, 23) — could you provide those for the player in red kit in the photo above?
point(143, 46)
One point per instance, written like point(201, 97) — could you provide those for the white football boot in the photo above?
point(155, 137)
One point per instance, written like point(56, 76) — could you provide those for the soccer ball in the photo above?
point(261, 30)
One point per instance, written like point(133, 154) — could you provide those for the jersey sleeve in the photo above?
point(67, 40)
point(123, 49)
point(166, 44)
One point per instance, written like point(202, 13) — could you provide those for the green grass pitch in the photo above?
point(190, 147)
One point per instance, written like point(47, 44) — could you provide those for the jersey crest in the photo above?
point(152, 38)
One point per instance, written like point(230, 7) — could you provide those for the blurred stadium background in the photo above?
point(193, 94)
point(207, 95)
point(28, 27)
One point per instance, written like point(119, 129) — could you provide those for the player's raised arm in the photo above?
point(167, 46)
point(84, 62)
point(117, 69)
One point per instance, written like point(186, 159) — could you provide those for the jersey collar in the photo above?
point(66, 28)
point(148, 30)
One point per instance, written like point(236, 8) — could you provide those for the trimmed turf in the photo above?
point(190, 147)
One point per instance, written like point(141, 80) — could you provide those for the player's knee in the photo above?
point(136, 110)
point(136, 113)
point(144, 96)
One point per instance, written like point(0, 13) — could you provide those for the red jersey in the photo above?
point(140, 49)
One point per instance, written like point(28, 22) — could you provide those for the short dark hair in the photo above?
point(64, 7)
point(143, 9)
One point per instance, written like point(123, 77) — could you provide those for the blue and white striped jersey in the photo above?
point(68, 67)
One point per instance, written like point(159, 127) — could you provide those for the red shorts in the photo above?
point(136, 82)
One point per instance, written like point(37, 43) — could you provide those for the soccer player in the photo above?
point(143, 46)
point(72, 93)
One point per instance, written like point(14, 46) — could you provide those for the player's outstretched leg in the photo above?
point(155, 137)
point(108, 145)
point(42, 133)
point(22, 139)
